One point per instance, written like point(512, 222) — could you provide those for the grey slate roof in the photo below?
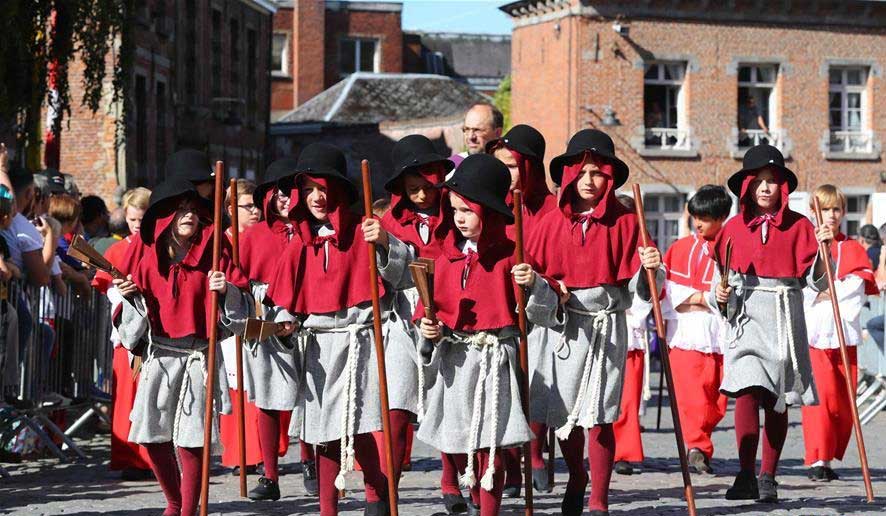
point(377, 97)
point(471, 55)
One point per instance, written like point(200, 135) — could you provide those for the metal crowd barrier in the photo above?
point(58, 368)
point(871, 394)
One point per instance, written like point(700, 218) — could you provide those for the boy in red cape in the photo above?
point(695, 332)
point(827, 427)
point(766, 355)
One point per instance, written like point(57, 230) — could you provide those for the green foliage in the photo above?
point(502, 100)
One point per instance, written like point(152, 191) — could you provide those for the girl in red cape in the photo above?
point(766, 354)
point(827, 427)
point(473, 409)
point(166, 300)
point(321, 289)
point(590, 246)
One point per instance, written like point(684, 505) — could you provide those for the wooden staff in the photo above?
point(238, 343)
point(524, 347)
point(379, 346)
point(213, 337)
point(665, 359)
point(844, 357)
point(724, 271)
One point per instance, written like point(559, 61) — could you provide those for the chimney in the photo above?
point(308, 49)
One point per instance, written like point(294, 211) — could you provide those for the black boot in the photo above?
point(744, 487)
point(511, 491)
point(379, 508)
point(817, 474)
point(767, 489)
point(540, 481)
point(623, 468)
point(309, 477)
point(266, 489)
point(455, 503)
point(830, 474)
point(473, 510)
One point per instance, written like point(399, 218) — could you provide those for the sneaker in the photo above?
point(455, 503)
point(309, 476)
point(623, 467)
point(266, 489)
point(540, 481)
point(250, 470)
point(473, 509)
point(830, 474)
point(744, 488)
point(817, 474)
point(767, 488)
point(700, 462)
point(511, 491)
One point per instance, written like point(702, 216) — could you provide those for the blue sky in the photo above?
point(477, 16)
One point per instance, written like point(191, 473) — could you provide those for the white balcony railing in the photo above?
point(852, 142)
point(748, 138)
point(667, 138)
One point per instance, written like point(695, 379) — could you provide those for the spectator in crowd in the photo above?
point(94, 217)
point(71, 186)
point(869, 238)
point(483, 123)
point(247, 212)
point(66, 210)
point(117, 229)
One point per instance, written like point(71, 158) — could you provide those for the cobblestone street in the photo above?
point(87, 488)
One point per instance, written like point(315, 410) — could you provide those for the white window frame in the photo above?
point(376, 58)
point(854, 140)
point(758, 136)
point(654, 206)
point(858, 217)
point(283, 71)
point(679, 134)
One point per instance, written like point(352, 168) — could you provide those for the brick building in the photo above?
point(196, 80)
point(685, 87)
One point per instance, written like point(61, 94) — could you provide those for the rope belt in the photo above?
point(599, 337)
point(193, 355)
point(786, 345)
point(491, 353)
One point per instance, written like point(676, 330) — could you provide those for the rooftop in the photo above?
point(470, 55)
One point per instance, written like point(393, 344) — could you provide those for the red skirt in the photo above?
point(628, 444)
point(229, 437)
point(697, 379)
point(124, 454)
point(827, 427)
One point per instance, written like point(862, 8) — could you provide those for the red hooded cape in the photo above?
point(790, 247)
point(115, 254)
point(301, 285)
point(402, 221)
point(690, 262)
point(607, 255)
point(851, 258)
point(263, 243)
point(537, 199)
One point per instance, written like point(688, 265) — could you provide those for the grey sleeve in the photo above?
point(236, 307)
point(133, 321)
point(818, 283)
point(543, 304)
point(732, 305)
point(640, 285)
point(393, 265)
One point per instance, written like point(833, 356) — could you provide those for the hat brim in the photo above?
point(258, 196)
point(515, 146)
point(350, 189)
point(149, 221)
point(496, 205)
point(421, 161)
point(621, 169)
point(734, 182)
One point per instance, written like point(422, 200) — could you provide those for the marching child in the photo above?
point(766, 356)
point(827, 426)
point(167, 300)
point(694, 330)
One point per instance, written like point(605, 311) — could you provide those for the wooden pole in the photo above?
point(661, 376)
point(524, 349)
point(213, 337)
point(665, 359)
point(844, 357)
point(241, 402)
point(379, 347)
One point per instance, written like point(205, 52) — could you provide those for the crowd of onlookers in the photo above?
point(872, 240)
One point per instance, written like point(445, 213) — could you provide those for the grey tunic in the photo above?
point(171, 397)
point(587, 343)
point(766, 344)
point(272, 367)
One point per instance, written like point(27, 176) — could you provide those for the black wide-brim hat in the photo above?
point(277, 171)
point(597, 143)
point(484, 180)
point(411, 153)
point(757, 157)
point(522, 138)
point(327, 161)
point(164, 193)
point(189, 164)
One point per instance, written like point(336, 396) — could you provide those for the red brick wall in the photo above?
point(308, 36)
point(381, 25)
point(283, 88)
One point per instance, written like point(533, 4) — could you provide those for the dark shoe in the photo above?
point(309, 476)
point(473, 510)
point(376, 509)
point(574, 501)
point(136, 475)
point(598, 513)
point(830, 474)
point(624, 468)
point(266, 489)
point(511, 492)
point(455, 503)
point(250, 470)
point(540, 481)
point(817, 474)
point(767, 488)
point(744, 487)
point(699, 461)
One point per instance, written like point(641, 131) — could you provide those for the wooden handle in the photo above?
point(665, 358)
point(238, 343)
point(844, 357)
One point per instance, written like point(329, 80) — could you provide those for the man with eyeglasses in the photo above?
point(483, 123)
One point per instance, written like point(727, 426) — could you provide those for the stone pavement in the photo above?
point(87, 488)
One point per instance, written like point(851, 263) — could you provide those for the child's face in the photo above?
point(281, 203)
point(314, 196)
point(186, 220)
point(591, 184)
point(134, 218)
point(420, 191)
point(764, 190)
point(467, 222)
point(831, 217)
point(504, 155)
point(707, 227)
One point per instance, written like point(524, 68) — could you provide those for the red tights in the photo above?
point(268, 438)
point(328, 465)
point(489, 501)
point(513, 457)
point(747, 430)
point(601, 455)
point(182, 489)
